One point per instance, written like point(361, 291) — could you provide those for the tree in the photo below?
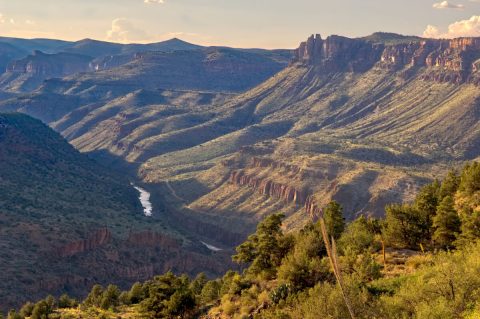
point(449, 184)
point(470, 178)
point(66, 302)
point(168, 296)
point(467, 203)
point(304, 266)
point(210, 292)
point(264, 249)
point(358, 236)
point(136, 293)
point(446, 223)
point(180, 305)
point(426, 203)
point(94, 297)
point(334, 221)
point(404, 227)
point(41, 310)
point(110, 297)
point(12, 314)
point(198, 283)
point(27, 308)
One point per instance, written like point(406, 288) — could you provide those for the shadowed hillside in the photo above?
point(67, 221)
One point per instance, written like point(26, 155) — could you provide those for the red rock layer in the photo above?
point(97, 239)
point(450, 60)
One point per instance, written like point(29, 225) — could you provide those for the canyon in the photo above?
point(221, 138)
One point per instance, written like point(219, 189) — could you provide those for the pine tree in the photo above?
point(446, 223)
point(334, 221)
point(404, 227)
point(426, 203)
point(264, 249)
point(449, 184)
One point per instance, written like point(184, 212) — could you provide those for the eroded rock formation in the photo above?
point(455, 60)
point(97, 239)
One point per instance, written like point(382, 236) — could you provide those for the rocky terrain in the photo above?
point(26, 64)
point(223, 137)
point(68, 222)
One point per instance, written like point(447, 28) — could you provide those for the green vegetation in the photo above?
point(290, 276)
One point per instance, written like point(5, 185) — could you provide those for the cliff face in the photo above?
point(44, 65)
point(97, 239)
point(453, 60)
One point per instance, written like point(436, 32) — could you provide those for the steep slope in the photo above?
point(370, 122)
point(67, 222)
point(28, 73)
point(365, 121)
point(212, 69)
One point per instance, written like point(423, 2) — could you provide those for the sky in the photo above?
point(237, 23)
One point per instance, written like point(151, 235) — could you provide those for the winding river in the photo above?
point(144, 200)
point(147, 210)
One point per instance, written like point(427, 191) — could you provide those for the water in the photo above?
point(144, 200)
point(212, 248)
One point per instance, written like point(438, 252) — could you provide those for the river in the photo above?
point(144, 200)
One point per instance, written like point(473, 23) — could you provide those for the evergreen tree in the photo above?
point(446, 223)
point(264, 249)
point(449, 184)
point(425, 205)
point(198, 283)
point(12, 314)
point(136, 293)
point(334, 221)
point(110, 297)
point(210, 292)
point(41, 310)
point(27, 308)
point(404, 227)
point(94, 297)
point(470, 179)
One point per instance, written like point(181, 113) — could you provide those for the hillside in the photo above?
point(420, 261)
point(28, 63)
point(362, 121)
point(66, 221)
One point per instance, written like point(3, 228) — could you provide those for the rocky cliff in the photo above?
point(455, 60)
point(97, 239)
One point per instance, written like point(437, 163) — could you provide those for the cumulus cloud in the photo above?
point(463, 28)
point(154, 1)
point(123, 30)
point(447, 5)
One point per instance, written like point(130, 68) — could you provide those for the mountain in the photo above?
point(210, 69)
point(363, 121)
point(67, 221)
point(30, 45)
point(169, 64)
point(28, 73)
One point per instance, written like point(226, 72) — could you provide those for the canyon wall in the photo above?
point(455, 60)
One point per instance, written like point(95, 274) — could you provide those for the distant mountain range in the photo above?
point(25, 64)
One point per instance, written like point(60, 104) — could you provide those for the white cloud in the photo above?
point(431, 32)
point(447, 5)
point(123, 30)
point(154, 1)
point(463, 28)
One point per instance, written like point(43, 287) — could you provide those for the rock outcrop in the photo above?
point(270, 188)
point(44, 65)
point(97, 239)
point(455, 60)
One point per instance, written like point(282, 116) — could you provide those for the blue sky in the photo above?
point(238, 23)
